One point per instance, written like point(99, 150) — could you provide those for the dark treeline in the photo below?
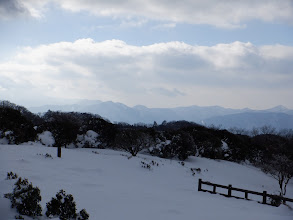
point(177, 139)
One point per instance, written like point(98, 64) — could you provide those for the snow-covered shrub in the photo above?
point(195, 170)
point(211, 148)
point(180, 145)
point(276, 201)
point(154, 163)
point(184, 145)
point(46, 155)
point(26, 198)
point(64, 207)
point(46, 138)
point(7, 137)
point(161, 149)
point(88, 140)
point(3, 139)
point(149, 165)
point(11, 175)
point(83, 215)
point(145, 165)
point(181, 163)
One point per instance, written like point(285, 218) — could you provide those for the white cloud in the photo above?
point(2, 88)
point(219, 13)
point(224, 13)
point(166, 92)
point(133, 23)
point(165, 26)
point(161, 74)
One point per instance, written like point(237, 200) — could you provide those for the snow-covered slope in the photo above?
point(110, 186)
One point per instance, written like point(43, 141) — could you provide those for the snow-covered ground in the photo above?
point(110, 186)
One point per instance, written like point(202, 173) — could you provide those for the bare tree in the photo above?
point(267, 129)
point(133, 141)
point(280, 167)
point(254, 132)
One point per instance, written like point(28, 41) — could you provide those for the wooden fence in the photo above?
point(264, 194)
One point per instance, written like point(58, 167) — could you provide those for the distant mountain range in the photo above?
point(278, 117)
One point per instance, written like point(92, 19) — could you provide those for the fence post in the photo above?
point(59, 152)
point(229, 190)
point(199, 184)
point(246, 195)
point(214, 189)
point(264, 198)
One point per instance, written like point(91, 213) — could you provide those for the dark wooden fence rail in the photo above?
point(264, 194)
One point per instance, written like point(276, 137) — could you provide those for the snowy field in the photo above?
point(112, 187)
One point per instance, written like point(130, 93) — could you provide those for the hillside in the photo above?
point(110, 186)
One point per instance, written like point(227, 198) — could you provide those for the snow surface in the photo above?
point(110, 186)
point(4, 140)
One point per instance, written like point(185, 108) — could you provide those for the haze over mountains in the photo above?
point(278, 117)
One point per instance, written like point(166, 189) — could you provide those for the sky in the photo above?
point(157, 53)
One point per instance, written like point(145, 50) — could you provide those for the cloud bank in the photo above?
point(163, 74)
point(11, 9)
point(223, 13)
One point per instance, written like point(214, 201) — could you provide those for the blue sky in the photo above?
point(156, 53)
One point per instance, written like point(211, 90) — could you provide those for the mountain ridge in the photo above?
point(205, 115)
